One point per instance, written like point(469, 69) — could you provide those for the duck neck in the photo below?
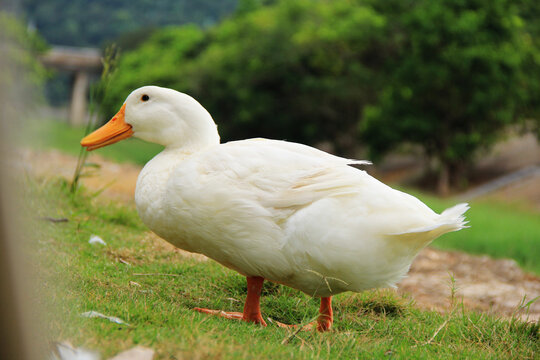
point(202, 134)
point(191, 146)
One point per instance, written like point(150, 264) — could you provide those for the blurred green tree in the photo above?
point(164, 59)
point(447, 75)
point(298, 70)
point(530, 12)
point(459, 73)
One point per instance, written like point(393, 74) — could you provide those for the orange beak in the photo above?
point(113, 131)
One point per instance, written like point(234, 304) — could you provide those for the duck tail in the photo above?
point(454, 218)
point(451, 219)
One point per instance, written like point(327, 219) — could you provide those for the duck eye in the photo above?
point(145, 97)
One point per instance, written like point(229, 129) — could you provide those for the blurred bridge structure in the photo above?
point(83, 63)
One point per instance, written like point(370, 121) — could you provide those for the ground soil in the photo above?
point(483, 283)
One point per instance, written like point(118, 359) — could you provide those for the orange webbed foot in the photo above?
point(323, 323)
point(252, 311)
point(225, 314)
point(255, 318)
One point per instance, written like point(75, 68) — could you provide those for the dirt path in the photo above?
point(483, 283)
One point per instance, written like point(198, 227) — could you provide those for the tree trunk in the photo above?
point(443, 184)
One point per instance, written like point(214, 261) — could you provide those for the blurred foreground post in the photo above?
point(14, 335)
point(19, 334)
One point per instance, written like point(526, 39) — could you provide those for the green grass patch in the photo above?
point(53, 134)
point(76, 277)
point(501, 230)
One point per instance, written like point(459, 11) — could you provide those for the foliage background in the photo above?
point(363, 77)
point(447, 76)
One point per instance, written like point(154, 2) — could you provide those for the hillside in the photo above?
point(62, 22)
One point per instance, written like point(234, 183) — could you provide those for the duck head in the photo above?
point(159, 115)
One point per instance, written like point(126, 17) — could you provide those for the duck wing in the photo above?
point(273, 178)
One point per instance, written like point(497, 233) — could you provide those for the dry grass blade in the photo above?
point(291, 336)
point(54, 220)
point(297, 329)
point(453, 292)
point(326, 278)
point(97, 93)
point(437, 331)
point(156, 274)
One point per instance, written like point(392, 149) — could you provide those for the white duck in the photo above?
point(270, 209)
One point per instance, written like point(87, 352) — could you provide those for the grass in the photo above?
point(497, 229)
point(76, 277)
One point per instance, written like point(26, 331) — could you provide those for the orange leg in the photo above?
point(252, 310)
point(326, 318)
